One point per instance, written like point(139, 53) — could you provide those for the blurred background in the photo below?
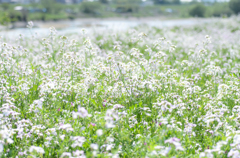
point(16, 13)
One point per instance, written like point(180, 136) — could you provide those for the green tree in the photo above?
point(5, 6)
point(52, 6)
point(176, 2)
point(103, 1)
point(90, 7)
point(127, 1)
point(198, 10)
point(235, 6)
point(5, 20)
point(160, 1)
point(167, 1)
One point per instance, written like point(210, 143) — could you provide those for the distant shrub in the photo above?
point(103, 1)
point(36, 16)
point(4, 19)
point(17, 16)
point(124, 9)
point(218, 10)
point(198, 10)
point(127, 8)
point(222, 12)
point(71, 17)
point(5, 6)
point(235, 6)
point(55, 17)
point(43, 17)
point(90, 7)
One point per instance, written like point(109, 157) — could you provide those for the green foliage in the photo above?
point(220, 10)
point(5, 6)
point(48, 4)
point(132, 94)
point(127, 8)
point(104, 1)
point(90, 7)
point(119, 8)
point(160, 1)
point(17, 16)
point(126, 2)
point(235, 6)
point(176, 2)
point(4, 19)
point(56, 17)
point(52, 6)
point(37, 16)
point(198, 10)
point(167, 1)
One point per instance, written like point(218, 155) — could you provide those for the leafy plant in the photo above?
point(235, 6)
point(198, 10)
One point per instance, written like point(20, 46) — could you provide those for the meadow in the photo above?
point(145, 92)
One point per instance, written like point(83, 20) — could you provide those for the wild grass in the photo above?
point(146, 92)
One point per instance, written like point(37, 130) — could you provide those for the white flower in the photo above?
point(202, 155)
point(77, 144)
point(9, 140)
point(78, 141)
point(62, 137)
point(165, 151)
point(78, 153)
point(110, 139)
point(82, 113)
point(109, 124)
point(67, 127)
point(94, 146)
point(175, 142)
point(109, 146)
point(117, 106)
point(1, 147)
point(37, 149)
point(99, 132)
point(39, 103)
point(66, 154)
point(234, 153)
point(159, 147)
point(30, 24)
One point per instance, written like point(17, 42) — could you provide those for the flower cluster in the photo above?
point(146, 92)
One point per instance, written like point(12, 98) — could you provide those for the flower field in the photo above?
point(145, 92)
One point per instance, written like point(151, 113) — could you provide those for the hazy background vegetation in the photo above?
point(45, 10)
